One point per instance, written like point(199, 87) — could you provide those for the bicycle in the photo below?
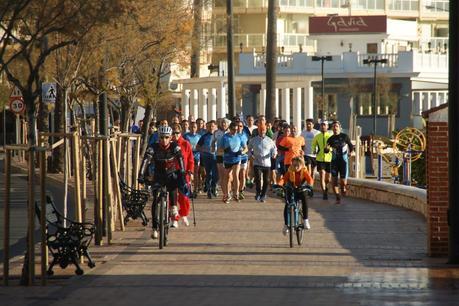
point(162, 211)
point(294, 211)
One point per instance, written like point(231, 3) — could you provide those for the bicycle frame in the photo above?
point(295, 204)
point(162, 212)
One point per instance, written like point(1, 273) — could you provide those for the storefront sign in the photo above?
point(347, 24)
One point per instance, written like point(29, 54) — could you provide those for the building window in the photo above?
point(404, 5)
point(386, 104)
point(440, 6)
point(329, 109)
point(372, 48)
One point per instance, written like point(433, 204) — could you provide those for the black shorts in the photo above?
point(339, 168)
point(326, 166)
point(273, 164)
point(230, 165)
point(309, 160)
point(219, 159)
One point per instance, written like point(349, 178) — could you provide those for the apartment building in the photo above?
point(412, 35)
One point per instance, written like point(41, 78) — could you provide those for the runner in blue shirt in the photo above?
point(193, 138)
point(208, 159)
point(231, 144)
point(244, 159)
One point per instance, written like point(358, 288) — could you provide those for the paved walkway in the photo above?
point(359, 253)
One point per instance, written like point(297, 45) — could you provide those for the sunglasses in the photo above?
point(176, 133)
point(165, 137)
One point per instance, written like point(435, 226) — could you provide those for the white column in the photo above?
point(185, 103)
point(425, 101)
point(308, 102)
point(194, 103)
point(221, 101)
point(286, 104)
point(262, 105)
point(212, 107)
point(435, 99)
point(203, 104)
point(276, 103)
point(297, 108)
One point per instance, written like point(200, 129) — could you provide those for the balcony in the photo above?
point(350, 63)
point(438, 9)
point(289, 41)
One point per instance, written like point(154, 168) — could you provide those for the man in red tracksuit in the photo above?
point(188, 162)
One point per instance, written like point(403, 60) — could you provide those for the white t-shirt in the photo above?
point(308, 137)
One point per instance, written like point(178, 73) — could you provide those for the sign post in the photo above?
point(17, 106)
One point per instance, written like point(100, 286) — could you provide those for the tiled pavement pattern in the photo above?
point(358, 253)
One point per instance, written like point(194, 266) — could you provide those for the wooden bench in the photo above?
point(67, 240)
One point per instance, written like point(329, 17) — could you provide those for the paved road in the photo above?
point(18, 207)
point(359, 253)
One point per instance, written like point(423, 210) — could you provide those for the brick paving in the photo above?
point(358, 253)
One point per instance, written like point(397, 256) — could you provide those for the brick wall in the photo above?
point(437, 188)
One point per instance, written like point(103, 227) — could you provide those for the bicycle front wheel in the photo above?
point(162, 222)
point(300, 226)
point(291, 226)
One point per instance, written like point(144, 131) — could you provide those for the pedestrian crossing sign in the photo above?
point(49, 93)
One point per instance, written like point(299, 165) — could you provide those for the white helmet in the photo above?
point(165, 130)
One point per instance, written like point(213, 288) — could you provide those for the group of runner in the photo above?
point(239, 153)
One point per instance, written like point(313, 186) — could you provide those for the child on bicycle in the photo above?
point(296, 177)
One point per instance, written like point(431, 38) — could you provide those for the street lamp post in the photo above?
point(322, 59)
point(230, 55)
point(374, 61)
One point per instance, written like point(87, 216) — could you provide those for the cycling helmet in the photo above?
point(165, 131)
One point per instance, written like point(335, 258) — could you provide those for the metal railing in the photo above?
point(285, 61)
point(392, 59)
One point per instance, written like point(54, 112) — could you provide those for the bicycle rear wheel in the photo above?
point(162, 221)
point(290, 226)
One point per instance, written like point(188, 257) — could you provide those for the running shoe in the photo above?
point(185, 221)
point(263, 199)
point(241, 195)
point(285, 230)
point(344, 190)
point(306, 224)
point(174, 224)
point(338, 199)
point(154, 234)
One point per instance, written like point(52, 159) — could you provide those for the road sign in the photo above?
point(17, 105)
point(48, 91)
point(16, 93)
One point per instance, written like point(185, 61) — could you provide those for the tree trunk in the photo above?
point(32, 141)
point(59, 121)
point(125, 114)
point(271, 60)
point(145, 128)
point(196, 38)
